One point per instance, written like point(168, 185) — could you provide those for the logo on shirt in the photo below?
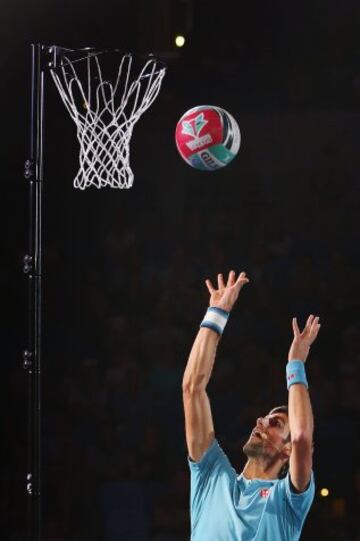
point(264, 492)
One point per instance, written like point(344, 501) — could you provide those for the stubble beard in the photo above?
point(254, 449)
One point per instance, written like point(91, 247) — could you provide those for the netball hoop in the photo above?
point(105, 108)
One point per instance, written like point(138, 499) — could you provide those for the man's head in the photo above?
point(270, 440)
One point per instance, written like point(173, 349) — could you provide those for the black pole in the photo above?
point(33, 268)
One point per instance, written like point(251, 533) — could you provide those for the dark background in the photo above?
point(124, 270)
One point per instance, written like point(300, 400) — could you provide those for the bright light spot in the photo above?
point(179, 41)
point(324, 492)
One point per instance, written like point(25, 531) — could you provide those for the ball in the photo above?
point(207, 137)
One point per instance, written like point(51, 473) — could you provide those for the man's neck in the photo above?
point(260, 469)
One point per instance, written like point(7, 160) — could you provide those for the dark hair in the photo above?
point(280, 409)
point(285, 467)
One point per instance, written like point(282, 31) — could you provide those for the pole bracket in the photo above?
point(27, 359)
point(27, 263)
point(29, 484)
point(29, 169)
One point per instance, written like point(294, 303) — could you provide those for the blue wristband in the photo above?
point(215, 319)
point(295, 373)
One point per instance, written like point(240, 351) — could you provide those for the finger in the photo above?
point(295, 327)
point(312, 337)
point(221, 283)
point(308, 323)
point(240, 282)
point(231, 279)
point(242, 279)
point(314, 329)
point(209, 286)
point(314, 322)
point(236, 288)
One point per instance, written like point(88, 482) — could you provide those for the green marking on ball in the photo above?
point(221, 153)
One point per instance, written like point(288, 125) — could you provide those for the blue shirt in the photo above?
point(228, 507)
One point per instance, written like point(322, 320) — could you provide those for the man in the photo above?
point(258, 504)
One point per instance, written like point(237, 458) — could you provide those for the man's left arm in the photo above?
point(301, 419)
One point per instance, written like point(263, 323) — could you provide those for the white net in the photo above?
point(105, 113)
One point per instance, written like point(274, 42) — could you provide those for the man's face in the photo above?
point(269, 437)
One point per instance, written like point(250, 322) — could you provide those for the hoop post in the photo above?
point(32, 267)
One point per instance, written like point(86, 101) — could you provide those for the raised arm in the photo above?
point(301, 420)
point(199, 426)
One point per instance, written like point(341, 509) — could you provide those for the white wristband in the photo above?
point(215, 319)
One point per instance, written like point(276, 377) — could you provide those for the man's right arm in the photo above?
point(199, 425)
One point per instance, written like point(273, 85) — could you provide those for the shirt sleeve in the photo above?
point(212, 469)
point(214, 458)
point(300, 502)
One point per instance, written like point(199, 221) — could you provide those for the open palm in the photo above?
point(302, 341)
point(225, 295)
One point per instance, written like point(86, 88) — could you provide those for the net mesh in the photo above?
point(105, 113)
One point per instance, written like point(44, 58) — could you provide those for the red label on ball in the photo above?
point(197, 130)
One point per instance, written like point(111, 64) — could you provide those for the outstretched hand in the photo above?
point(300, 347)
point(225, 295)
